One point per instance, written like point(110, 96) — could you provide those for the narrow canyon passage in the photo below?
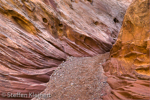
point(36, 36)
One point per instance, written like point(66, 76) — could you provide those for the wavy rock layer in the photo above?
point(37, 35)
point(128, 70)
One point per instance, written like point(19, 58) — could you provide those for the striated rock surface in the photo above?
point(37, 35)
point(127, 70)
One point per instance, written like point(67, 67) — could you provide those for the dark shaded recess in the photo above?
point(106, 47)
point(22, 23)
point(11, 12)
point(45, 20)
point(116, 20)
point(96, 22)
point(16, 18)
point(37, 78)
point(71, 7)
point(90, 1)
point(60, 25)
point(143, 69)
point(52, 27)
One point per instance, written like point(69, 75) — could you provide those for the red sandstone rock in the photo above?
point(127, 70)
point(37, 35)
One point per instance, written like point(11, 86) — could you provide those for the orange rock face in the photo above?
point(128, 70)
point(37, 35)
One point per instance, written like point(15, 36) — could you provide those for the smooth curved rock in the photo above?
point(37, 35)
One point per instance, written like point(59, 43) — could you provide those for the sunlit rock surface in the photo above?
point(37, 35)
point(126, 74)
point(128, 70)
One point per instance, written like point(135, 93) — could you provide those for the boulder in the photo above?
point(77, 79)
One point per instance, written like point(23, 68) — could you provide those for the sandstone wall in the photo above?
point(126, 74)
point(37, 35)
point(128, 69)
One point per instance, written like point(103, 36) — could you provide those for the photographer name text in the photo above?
point(23, 95)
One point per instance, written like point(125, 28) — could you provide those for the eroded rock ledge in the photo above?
point(37, 35)
point(127, 69)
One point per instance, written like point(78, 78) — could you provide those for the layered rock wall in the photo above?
point(127, 68)
point(37, 35)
